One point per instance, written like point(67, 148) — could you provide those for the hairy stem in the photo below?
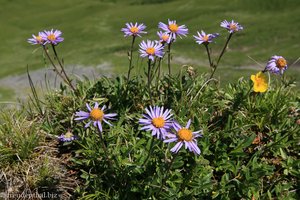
point(149, 78)
point(150, 152)
point(63, 69)
point(130, 58)
point(208, 55)
point(110, 163)
point(54, 66)
point(221, 55)
point(166, 175)
point(158, 72)
point(169, 57)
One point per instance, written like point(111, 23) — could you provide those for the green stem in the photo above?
point(159, 68)
point(221, 55)
point(153, 70)
point(158, 71)
point(208, 55)
point(169, 57)
point(54, 66)
point(150, 152)
point(149, 78)
point(252, 106)
point(224, 48)
point(63, 69)
point(110, 163)
point(166, 175)
point(130, 58)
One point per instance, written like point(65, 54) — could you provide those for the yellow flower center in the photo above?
point(96, 114)
point(205, 38)
point(281, 63)
point(165, 37)
point(134, 29)
point(233, 27)
point(38, 38)
point(260, 82)
point(68, 135)
point(158, 122)
point(150, 51)
point(173, 28)
point(185, 134)
point(51, 37)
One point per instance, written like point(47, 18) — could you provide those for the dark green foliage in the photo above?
point(250, 145)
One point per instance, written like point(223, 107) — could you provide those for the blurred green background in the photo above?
point(91, 29)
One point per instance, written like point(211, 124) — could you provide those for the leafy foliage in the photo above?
point(249, 148)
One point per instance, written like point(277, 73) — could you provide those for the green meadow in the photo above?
point(92, 33)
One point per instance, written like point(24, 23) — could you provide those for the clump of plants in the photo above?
point(163, 135)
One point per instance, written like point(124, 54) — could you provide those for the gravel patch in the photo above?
point(46, 78)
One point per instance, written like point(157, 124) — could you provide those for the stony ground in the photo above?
point(45, 78)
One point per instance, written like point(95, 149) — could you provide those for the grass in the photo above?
point(5, 94)
point(92, 29)
point(28, 158)
point(18, 135)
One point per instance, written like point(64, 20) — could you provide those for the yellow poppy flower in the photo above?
point(260, 82)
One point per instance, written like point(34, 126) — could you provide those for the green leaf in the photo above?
point(245, 143)
point(282, 153)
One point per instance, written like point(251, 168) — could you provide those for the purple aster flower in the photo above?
point(276, 65)
point(133, 30)
point(96, 115)
point(36, 39)
point(151, 49)
point(232, 26)
point(68, 137)
point(163, 37)
point(157, 120)
point(184, 136)
point(52, 37)
point(173, 29)
point(204, 38)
